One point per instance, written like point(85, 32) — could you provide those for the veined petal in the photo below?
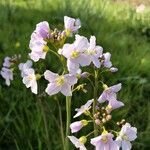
point(66, 90)
point(52, 89)
point(50, 76)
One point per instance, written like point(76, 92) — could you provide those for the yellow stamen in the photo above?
point(60, 80)
point(74, 54)
point(45, 48)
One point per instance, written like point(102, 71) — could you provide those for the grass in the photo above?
point(118, 29)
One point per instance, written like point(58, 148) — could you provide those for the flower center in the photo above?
point(104, 139)
point(60, 80)
point(125, 137)
point(30, 77)
point(45, 48)
point(74, 54)
point(90, 52)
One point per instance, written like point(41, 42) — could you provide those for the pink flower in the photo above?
point(24, 66)
point(114, 104)
point(58, 83)
point(77, 142)
point(75, 54)
point(104, 142)
point(39, 50)
point(78, 125)
point(83, 108)
point(109, 93)
point(94, 52)
point(126, 135)
point(30, 80)
point(106, 62)
point(7, 74)
point(71, 25)
point(38, 42)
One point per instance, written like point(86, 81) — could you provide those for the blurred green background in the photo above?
point(28, 122)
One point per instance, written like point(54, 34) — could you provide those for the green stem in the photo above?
point(61, 126)
point(68, 115)
point(95, 99)
point(45, 124)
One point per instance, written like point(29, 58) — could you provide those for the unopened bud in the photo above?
point(105, 86)
point(38, 76)
point(85, 75)
point(97, 121)
point(108, 117)
point(113, 69)
point(83, 139)
point(104, 120)
point(84, 122)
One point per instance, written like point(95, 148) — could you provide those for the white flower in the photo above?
point(83, 108)
point(76, 126)
point(104, 142)
point(75, 54)
point(77, 142)
point(71, 25)
point(106, 62)
point(24, 66)
point(39, 50)
point(126, 135)
point(7, 62)
point(94, 52)
point(60, 83)
point(30, 80)
point(7, 74)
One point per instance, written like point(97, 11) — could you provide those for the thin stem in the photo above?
point(68, 114)
point(90, 133)
point(95, 98)
point(45, 124)
point(61, 125)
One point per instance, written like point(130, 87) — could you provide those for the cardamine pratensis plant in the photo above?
point(81, 53)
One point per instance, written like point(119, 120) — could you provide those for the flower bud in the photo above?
point(85, 75)
point(113, 69)
point(83, 139)
point(105, 86)
point(104, 120)
point(97, 121)
point(38, 76)
point(108, 117)
point(84, 122)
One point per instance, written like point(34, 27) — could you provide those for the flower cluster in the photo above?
point(43, 35)
point(81, 53)
point(8, 67)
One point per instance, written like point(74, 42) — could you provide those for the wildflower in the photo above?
point(104, 142)
point(126, 135)
point(109, 93)
point(7, 62)
point(114, 104)
point(58, 83)
point(106, 62)
point(76, 126)
point(7, 74)
point(94, 52)
point(43, 30)
point(24, 66)
point(30, 80)
point(79, 143)
point(75, 54)
point(39, 50)
point(83, 108)
point(113, 69)
point(71, 25)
